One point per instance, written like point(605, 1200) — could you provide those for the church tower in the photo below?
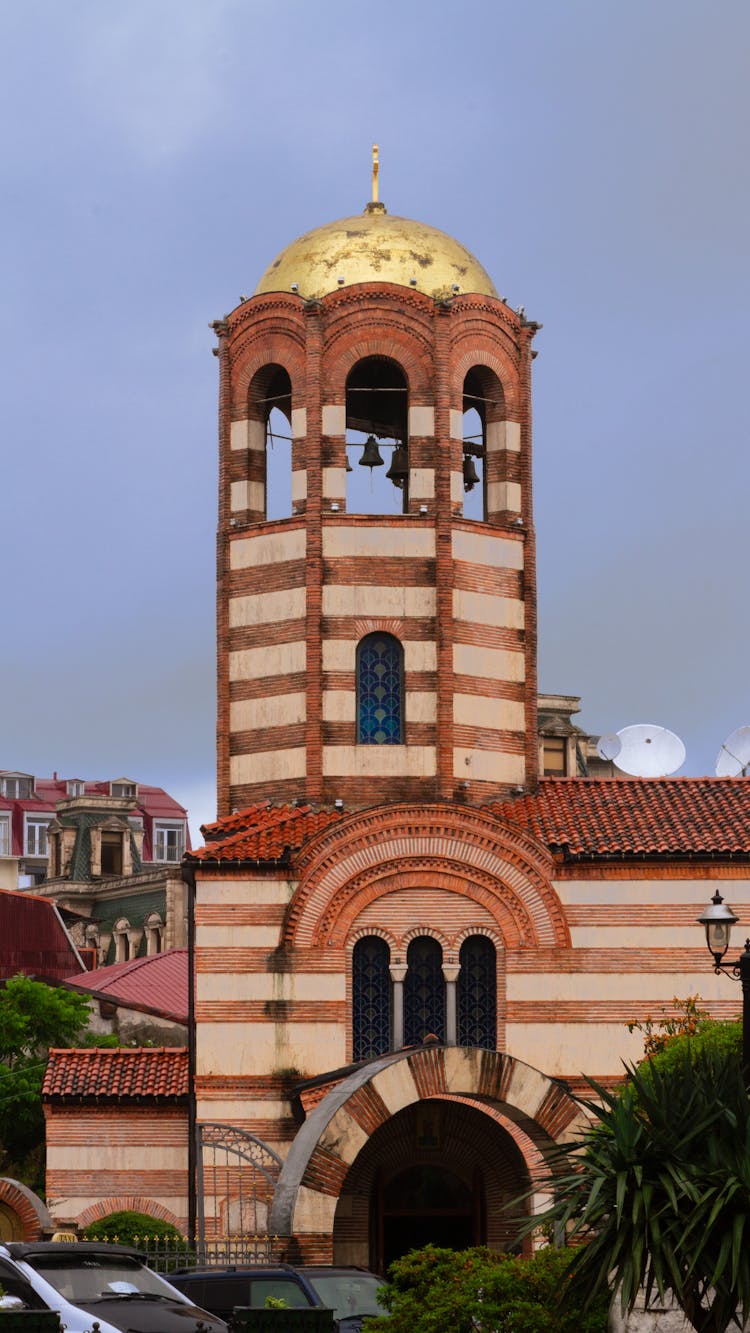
point(376, 573)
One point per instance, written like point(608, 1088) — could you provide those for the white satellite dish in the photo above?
point(609, 746)
point(648, 751)
point(733, 759)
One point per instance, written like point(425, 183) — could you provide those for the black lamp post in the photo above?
point(718, 919)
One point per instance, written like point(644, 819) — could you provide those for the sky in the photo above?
point(157, 154)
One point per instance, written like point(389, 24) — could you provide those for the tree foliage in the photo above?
point(473, 1291)
point(34, 1018)
point(659, 1186)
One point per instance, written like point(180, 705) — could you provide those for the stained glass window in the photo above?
point(477, 993)
point(424, 992)
point(380, 691)
point(371, 998)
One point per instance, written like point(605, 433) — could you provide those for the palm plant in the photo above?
point(659, 1188)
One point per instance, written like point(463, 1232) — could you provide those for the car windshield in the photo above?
point(89, 1277)
point(348, 1294)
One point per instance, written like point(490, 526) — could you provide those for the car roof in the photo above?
point(21, 1249)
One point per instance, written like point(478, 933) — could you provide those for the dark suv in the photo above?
point(350, 1292)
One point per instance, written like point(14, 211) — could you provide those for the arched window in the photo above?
point(477, 993)
point(371, 998)
point(424, 992)
point(377, 473)
point(380, 690)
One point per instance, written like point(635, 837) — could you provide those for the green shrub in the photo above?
point(131, 1228)
point(474, 1291)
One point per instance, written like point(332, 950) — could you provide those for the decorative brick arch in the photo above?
point(328, 1143)
point(136, 1203)
point(31, 1211)
point(284, 346)
point(377, 327)
point(461, 849)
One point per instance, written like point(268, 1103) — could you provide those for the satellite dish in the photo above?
point(648, 751)
point(608, 747)
point(733, 759)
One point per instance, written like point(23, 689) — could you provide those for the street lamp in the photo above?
point(718, 919)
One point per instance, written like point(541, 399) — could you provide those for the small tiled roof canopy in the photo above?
point(155, 1073)
point(577, 818)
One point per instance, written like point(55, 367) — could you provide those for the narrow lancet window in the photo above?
point(380, 690)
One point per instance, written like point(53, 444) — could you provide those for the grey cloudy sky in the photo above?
point(156, 155)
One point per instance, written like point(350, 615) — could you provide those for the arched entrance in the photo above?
point(440, 1172)
point(462, 1109)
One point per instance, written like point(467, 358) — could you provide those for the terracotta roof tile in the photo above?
point(262, 832)
point(119, 1075)
point(637, 816)
point(592, 817)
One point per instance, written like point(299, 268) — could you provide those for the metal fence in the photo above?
point(168, 1254)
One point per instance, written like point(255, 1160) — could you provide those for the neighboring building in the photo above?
point(144, 1002)
point(29, 804)
point(108, 854)
point(566, 750)
point(34, 940)
point(409, 948)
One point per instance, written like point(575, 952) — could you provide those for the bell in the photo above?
point(371, 454)
point(349, 467)
point(399, 469)
point(471, 476)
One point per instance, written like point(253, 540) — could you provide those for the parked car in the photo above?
point(350, 1292)
point(87, 1281)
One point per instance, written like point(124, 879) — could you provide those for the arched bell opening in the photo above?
point(377, 469)
point(483, 406)
point(270, 454)
point(438, 1172)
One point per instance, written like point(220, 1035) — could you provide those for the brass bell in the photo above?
point(349, 467)
point(371, 456)
point(399, 469)
point(471, 476)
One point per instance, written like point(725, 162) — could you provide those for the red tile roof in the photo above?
point(122, 1075)
point(579, 817)
point(262, 832)
point(157, 985)
point(33, 938)
point(637, 816)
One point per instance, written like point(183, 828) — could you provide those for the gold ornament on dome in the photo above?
point(376, 247)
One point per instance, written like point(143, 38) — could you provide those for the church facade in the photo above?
point(408, 949)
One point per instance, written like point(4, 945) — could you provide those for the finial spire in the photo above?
point(375, 206)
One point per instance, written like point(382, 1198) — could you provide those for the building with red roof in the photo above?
point(411, 940)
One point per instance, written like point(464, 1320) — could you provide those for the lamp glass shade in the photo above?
point(718, 919)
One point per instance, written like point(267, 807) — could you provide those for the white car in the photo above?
point(89, 1281)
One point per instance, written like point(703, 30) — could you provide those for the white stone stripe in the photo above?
point(481, 548)
point(276, 710)
point(495, 663)
point(277, 659)
point(370, 599)
point(267, 608)
point(488, 766)
point(268, 766)
point(385, 761)
point(480, 608)
point(268, 548)
point(397, 540)
point(340, 654)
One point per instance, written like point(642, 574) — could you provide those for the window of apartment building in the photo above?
point(75, 787)
point(123, 787)
point(4, 835)
point(36, 836)
point(17, 786)
point(555, 750)
point(169, 842)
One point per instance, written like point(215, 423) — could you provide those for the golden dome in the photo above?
point(376, 247)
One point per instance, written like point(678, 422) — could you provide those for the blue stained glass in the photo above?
point(477, 993)
point(424, 992)
point(380, 690)
point(371, 998)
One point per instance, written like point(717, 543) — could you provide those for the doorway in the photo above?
point(428, 1204)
